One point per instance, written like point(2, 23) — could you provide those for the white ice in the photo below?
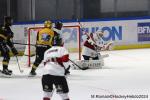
point(126, 72)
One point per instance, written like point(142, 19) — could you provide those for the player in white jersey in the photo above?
point(92, 43)
point(58, 34)
point(54, 71)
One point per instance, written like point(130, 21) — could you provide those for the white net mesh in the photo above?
point(70, 35)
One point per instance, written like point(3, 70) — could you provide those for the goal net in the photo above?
point(71, 37)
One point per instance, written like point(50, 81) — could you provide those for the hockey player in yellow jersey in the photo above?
point(45, 36)
point(44, 41)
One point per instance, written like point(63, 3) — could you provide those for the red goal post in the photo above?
point(71, 36)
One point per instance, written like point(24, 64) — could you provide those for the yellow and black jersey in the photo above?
point(5, 36)
point(45, 37)
point(5, 33)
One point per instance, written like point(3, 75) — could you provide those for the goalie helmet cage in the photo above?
point(67, 31)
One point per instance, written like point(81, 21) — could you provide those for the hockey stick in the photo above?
point(24, 44)
point(21, 71)
point(82, 28)
point(82, 68)
point(29, 44)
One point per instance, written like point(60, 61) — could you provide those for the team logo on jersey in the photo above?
point(143, 30)
point(45, 37)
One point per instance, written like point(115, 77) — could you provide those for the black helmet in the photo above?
point(58, 25)
point(7, 21)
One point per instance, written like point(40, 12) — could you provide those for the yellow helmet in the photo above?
point(48, 24)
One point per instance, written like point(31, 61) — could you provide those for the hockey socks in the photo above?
point(45, 98)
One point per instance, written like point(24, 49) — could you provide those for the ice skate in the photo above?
point(32, 74)
point(6, 73)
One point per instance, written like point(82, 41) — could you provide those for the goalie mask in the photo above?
point(99, 34)
point(48, 24)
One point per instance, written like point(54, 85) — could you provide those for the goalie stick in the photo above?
point(82, 28)
point(84, 68)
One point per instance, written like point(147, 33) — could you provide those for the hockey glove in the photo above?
point(62, 59)
point(91, 41)
point(67, 70)
point(4, 42)
point(14, 51)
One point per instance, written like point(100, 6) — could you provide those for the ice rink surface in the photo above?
point(126, 73)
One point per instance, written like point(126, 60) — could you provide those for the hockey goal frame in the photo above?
point(38, 28)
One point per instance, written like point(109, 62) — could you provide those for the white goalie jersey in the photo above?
point(91, 42)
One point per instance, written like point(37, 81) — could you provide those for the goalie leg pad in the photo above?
point(96, 58)
point(91, 64)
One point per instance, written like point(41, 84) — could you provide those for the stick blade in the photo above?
point(85, 68)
